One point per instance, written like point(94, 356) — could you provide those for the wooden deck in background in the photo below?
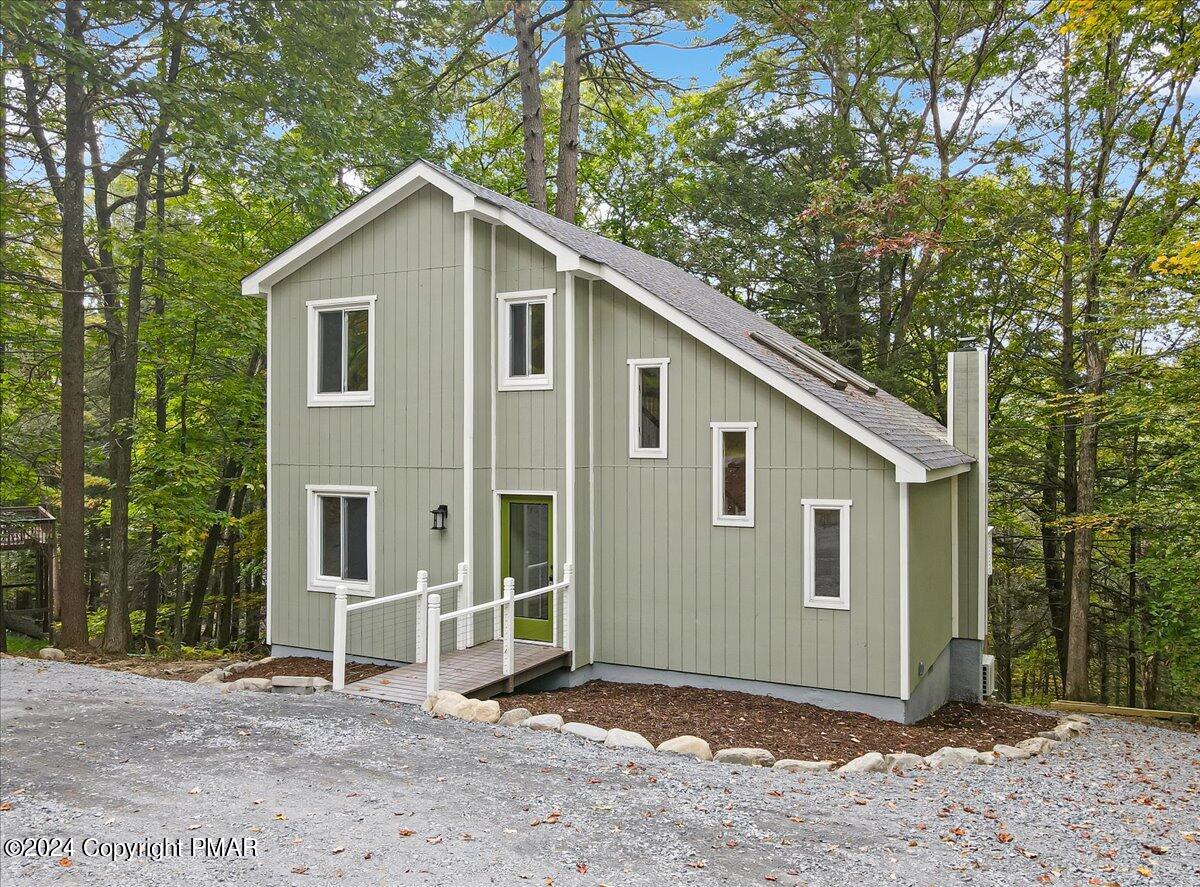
point(476, 671)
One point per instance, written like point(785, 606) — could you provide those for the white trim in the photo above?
point(727, 520)
point(420, 173)
point(905, 665)
point(568, 630)
point(955, 581)
point(982, 414)
point(635, 410)
point(269, 486)
point(466, 626)
point(811, 598)
point(328, 584)
point(543, 381)
point(591, 472)
point(340, 398)
point(493, 378)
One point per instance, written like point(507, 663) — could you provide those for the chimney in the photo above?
point(967, 429)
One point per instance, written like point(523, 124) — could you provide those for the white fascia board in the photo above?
point(908, 469)
point(578, 265)
point(932, 474)
point(349, 220)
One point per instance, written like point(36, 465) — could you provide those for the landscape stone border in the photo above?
point(447, 703)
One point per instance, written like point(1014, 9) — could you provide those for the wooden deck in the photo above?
point(476, 671)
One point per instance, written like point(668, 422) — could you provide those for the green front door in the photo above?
point(527, 555)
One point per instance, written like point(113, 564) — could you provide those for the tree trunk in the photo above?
point(72, 593)
point(154, 588)
point(566, 194)
point(532, 124)
point(195, 610)
point(1052, 550)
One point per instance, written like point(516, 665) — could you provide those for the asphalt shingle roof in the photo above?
point(901, 425)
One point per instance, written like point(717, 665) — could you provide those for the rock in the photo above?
point(488, 712)
point(590, 732)
point(255, 685)
point(1037, 745)
point(434, 698)
point(688, 745)
point(618, 738)
point(1012, 752)
point(1061, 733)
point(1076, 728)
point(749, 757)
point(286, 683)
point(239, 667)
point(514, 716)
point(871, 762)
point(216, 676)
point(52, 653)
point(898, 762)
point(266, 660)
point(949, 756)
point(543, 722)
point(791, 765)
point(1077, 718)
point(446, 701)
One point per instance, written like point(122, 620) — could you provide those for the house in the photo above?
point(463, 390)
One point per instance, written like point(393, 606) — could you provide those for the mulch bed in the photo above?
point(310, 666)
point(728, 719)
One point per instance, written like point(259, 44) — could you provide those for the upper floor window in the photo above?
point(648, 407)
point(526, 339)
point(341, 538)
point(827, 553)
point(341, 351)
point(733, 474)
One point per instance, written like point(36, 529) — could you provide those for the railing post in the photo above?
point(422, 602)
point(339, 638)
point(462, 629)
point(568, 616)
point(510, 586)
point(433, 631)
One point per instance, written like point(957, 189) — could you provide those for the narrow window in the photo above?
point(827, 553)
point(341, 538)
point(648, 407)
point(733, 474)
point(526, 333)
point(341, 362)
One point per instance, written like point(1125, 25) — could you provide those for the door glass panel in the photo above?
point(651, 407)
point(331, 536)
point(356, 538)
point(529, 555)
point(329, 351)
point(827, 552)
point(733, 452)
point(356, 350)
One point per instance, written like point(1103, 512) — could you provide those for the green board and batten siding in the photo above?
point(966, 436)
point(930, 574)
point(672, 591)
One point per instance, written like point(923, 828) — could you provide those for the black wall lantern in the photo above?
point(439, 517)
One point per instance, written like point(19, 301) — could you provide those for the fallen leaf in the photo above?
point(337, 850)
point(194, 791)
point(65, 862)
point(581, 867)
point(300, 870)
point(434, 839)
point(406, 833)
point(6, 805)
point(1145, 872)
point(1004, 838)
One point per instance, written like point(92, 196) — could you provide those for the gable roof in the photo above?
point(914, 442)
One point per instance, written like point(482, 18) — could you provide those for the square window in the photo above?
point(827, 553)
point(341, 356)
point(526, 337)
point(733, 474)
point(341, 538)
point(648, 407)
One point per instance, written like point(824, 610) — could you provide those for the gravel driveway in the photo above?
point(330, 787)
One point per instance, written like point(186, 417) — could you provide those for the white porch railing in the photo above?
point(506, 606)
point(341, 609)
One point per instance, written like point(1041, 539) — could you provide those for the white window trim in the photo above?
point(635, 408)
point(340, 398)
point(842, 602)
point(317, 582)
point(726, 520)
point(544, 381)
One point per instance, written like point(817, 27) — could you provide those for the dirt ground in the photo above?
point(310, 666)
point(728, 719)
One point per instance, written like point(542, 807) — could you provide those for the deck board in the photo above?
point(467, 671)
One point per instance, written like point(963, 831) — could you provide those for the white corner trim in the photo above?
point(727, 520)
point(636, 451)
point(317, 398)
point(269, 486)
point(905, 666)
point(317, 582)
point(811, 598)
point(982, 418)
point(543, 381)
point(466, 625)
point(591, 473)
point(568, 629)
